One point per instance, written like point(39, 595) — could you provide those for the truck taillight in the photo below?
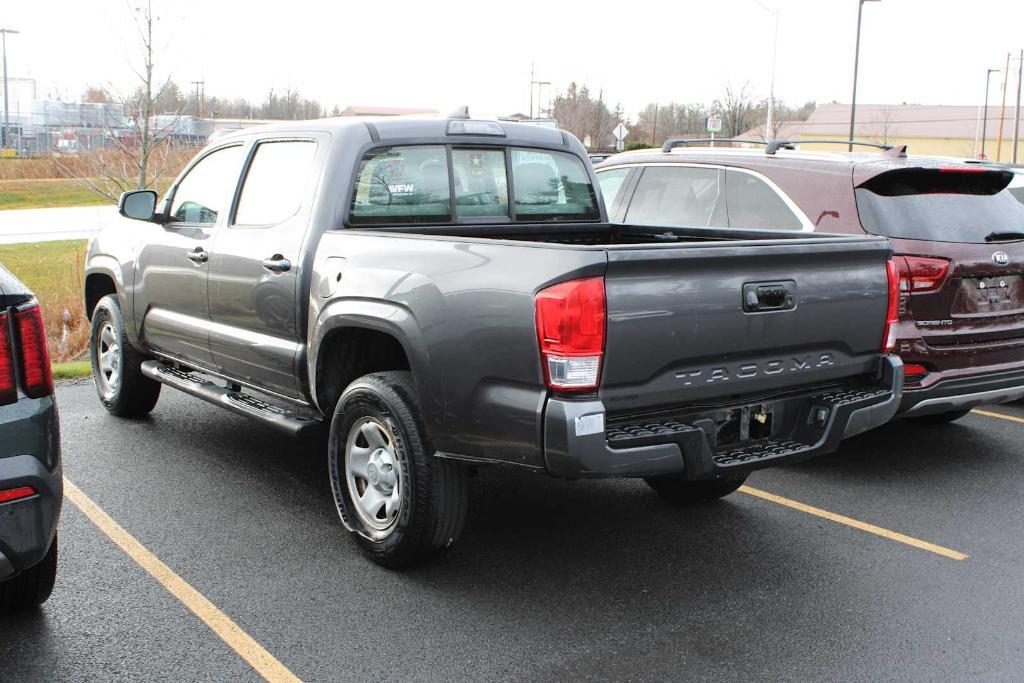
point(570, 329)
point(892, 315)
point(8, 386)
point(921, 274)
point(35, 361)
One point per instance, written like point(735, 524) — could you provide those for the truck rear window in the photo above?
point(416, 184)
point(940, 205)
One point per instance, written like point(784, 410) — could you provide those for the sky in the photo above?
point(444, 54)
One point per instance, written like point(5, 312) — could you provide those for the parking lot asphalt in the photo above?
point(552, 579)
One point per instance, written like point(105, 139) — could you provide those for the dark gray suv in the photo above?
point(31, 484)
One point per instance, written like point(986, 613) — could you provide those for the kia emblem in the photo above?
point(1001, 258)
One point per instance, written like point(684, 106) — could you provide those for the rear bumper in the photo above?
point(577, 443)
point(967, 391)
point(29, 456)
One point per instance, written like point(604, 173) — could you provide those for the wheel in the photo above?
point(117, 366)
point(940, 418)
point(33, 586)
point(401, 503)
point(674, 488)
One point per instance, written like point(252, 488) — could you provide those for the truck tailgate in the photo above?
point(692, 322)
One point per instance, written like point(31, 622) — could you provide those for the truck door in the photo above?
point(256, 309)
point(170, 299)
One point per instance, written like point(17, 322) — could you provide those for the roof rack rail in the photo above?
point(681, 142)
point(890, 150)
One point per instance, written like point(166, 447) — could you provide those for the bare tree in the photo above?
point(135, 152)
point(883, 125)
point(586, 117)
point(737, 111)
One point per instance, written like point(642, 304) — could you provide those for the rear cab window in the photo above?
point(941, 205)
point(411, 184)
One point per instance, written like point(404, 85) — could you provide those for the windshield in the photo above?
point(940, 206)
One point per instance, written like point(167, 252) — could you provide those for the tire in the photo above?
point(117, 366)
point(939, 418)
point(401, 504)
point(674, 488)
point(33, 586)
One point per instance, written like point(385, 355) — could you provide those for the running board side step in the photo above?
point(285, 420)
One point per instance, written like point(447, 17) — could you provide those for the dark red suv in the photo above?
point(958, 234)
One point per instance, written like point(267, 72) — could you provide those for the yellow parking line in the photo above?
point(238, 640)
point(856, 524)
point(987, 413)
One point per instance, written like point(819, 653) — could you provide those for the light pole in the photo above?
point(770, 118)
point(7, 116)
point(984, 116)
point(856, 63)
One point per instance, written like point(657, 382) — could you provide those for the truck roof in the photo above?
point(385, 128)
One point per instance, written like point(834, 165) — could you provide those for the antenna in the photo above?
point(460, 113)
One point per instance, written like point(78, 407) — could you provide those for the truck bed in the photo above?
point(679, 331)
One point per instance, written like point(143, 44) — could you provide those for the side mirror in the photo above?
point(138, 204)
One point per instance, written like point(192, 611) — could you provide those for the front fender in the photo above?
point(108, 266)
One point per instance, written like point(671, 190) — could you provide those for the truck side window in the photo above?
point(207, 188)
point(753, 203)
point(481, 188)
point(679, 196)
point(402, 184)
point(273, 185)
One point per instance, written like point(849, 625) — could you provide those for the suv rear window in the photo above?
point(416, 184)
point(940, 205)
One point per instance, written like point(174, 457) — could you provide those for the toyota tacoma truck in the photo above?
point(442, 293)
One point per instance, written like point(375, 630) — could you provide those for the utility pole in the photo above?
point(531, 90)
point(1002, 109)
point(7, 114)
point(984, 116)
point(654, 129)
point(200, 96)
point(538, 85)
point(1016, 114)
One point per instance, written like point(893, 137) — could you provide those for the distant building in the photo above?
point(936, 130)
point(359, 110)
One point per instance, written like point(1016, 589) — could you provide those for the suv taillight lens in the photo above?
point(35, 361)
point(8, 386)
point(921, 274)
point(892, 315)
point(570, 329)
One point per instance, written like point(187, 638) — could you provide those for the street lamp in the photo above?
point(768, 135)
point(7, 116)
point(984, 116)
point(856, 60)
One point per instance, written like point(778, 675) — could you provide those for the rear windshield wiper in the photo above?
point(1004, 236)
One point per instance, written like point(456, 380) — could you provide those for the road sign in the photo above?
point(714, 124)
point(620, 132)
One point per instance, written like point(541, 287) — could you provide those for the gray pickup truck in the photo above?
point(443, 293)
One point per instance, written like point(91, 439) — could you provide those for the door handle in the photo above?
point(277, 264)
point(198, 255)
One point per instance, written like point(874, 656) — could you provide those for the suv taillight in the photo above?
point(892, 314)
point(35, 361)
point(8, 386)
point(921, 274)
point(570, 329)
